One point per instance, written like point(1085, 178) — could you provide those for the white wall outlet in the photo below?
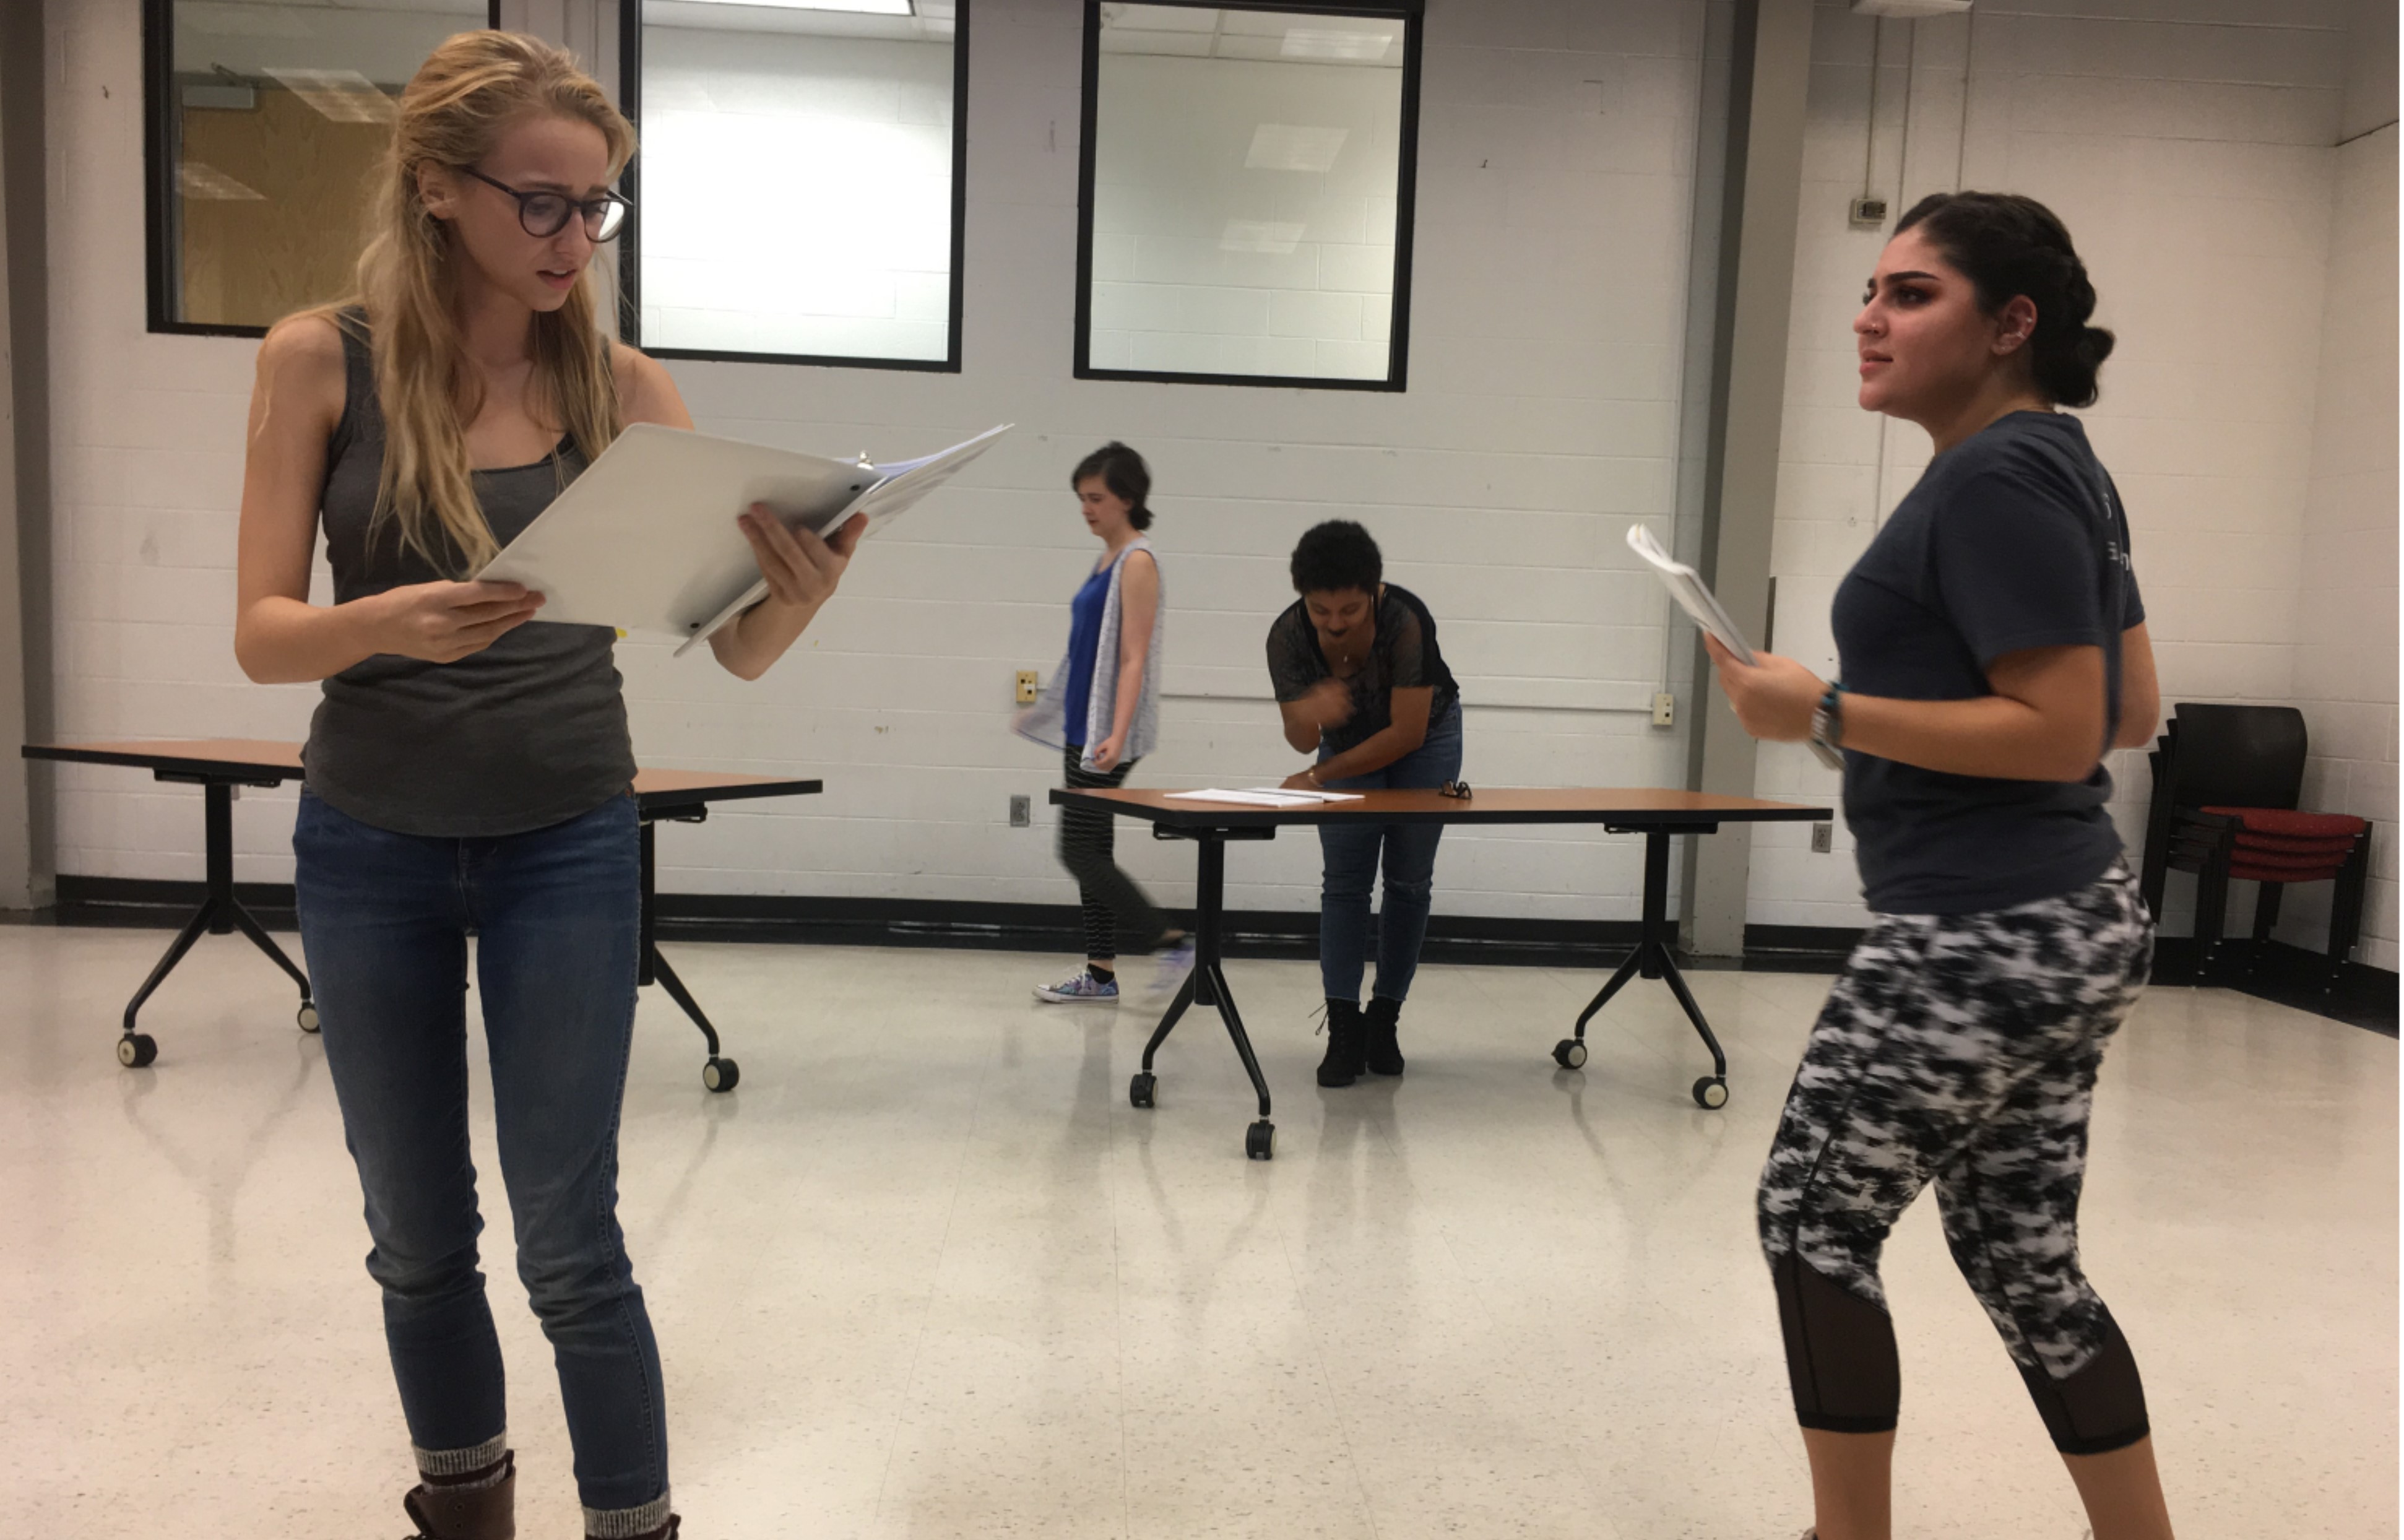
point(1823, 838)
point(1665, 709)
point(1022, 812)
point(1027, 687)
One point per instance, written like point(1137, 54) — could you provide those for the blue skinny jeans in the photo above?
point(1352, 852)
point(384, 920)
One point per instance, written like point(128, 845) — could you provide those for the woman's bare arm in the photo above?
point(279, 636)
point(2045, 720)
point(2141, 690)
point(802, 569)
point(1402, 736)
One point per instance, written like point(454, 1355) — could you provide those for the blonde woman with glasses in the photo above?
point(467, 771)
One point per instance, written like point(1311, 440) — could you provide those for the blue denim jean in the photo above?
point(1352, 853)
point(384, 920)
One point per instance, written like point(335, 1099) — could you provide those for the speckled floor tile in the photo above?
point(926, 1275)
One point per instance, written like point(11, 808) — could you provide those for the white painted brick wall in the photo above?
point(2345, 615)
point(1551, 250)
point(2188, 148)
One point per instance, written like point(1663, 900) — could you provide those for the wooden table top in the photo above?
point(254, 761)
point(1629, 807)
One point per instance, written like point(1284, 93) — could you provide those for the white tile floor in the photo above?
point(927, 1274)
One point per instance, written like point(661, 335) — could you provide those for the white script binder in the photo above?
point(1693, 594)
point(646, 539)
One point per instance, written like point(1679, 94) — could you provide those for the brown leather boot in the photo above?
point(467, 1513)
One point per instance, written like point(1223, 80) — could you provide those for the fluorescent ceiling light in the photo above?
point(1910, 9)
point(1262, 235)
point(1291, 146)
point(343, 95)
point(860, 8)
point(1304, 43)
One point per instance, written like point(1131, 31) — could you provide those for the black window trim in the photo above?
point(630, 247)
point(161, 231)
point(1412, 14)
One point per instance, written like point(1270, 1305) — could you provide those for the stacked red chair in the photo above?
point(2227, 780)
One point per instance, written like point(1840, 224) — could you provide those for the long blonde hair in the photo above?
point(453, 112)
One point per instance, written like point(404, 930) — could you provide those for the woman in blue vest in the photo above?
point(1101, 711)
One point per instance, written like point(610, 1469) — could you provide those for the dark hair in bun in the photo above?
point(2007, 245)
point(1123, 470)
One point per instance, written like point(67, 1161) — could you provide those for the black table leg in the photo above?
point(717, 1073)
point(1208, 986)
point(219, 914)
point(1654, 959)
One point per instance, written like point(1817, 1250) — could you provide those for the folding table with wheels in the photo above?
point(1656, 815)
point(221, 765)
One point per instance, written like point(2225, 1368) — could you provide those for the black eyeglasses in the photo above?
point(544, 215)
point(1454, 788)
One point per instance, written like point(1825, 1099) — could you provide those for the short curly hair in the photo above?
point(1334, 556)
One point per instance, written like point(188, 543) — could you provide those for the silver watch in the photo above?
point(1829, 728)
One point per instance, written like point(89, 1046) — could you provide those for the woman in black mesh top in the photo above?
point(1362, 684)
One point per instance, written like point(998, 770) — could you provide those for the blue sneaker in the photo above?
point(1175, 963)
point(1080, 989)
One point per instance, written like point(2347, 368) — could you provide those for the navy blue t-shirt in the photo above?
point(2014, 538)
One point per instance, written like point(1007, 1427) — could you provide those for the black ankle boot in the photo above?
point(483, 1512)
point(1378, 1050)
point(1343, 1064)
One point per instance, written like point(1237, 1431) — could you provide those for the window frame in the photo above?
point(161, 231)
point(629, 242)
point(1413, 15)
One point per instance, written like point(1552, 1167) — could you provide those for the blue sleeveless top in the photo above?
point(1084, 640)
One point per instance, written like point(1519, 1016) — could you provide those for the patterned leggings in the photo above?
point(1960, 1049)
point(1110, 899)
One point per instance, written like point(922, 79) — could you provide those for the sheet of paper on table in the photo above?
point(1268, 797)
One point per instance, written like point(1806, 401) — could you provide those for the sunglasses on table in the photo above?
point(543, 214)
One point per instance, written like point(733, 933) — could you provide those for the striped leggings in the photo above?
point(1113, 902)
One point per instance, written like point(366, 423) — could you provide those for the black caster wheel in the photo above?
point(308, 1016)
point(1711, 1093)
point(1140, 1089)
point(1570, 1053)
point(721, 1075)
point(1260, 1141)
point(136, 1049)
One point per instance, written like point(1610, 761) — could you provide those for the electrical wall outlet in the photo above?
point(1022, 812)
point(1823, 838)
point(1027, 687)
point(1867, 212)
point(1665, 709)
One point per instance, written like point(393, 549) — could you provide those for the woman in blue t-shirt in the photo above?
point(1101, 710)
point(1993, 648)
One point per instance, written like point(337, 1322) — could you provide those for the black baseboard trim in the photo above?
point(2357, 993)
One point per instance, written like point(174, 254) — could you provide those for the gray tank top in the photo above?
point(528, 732)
